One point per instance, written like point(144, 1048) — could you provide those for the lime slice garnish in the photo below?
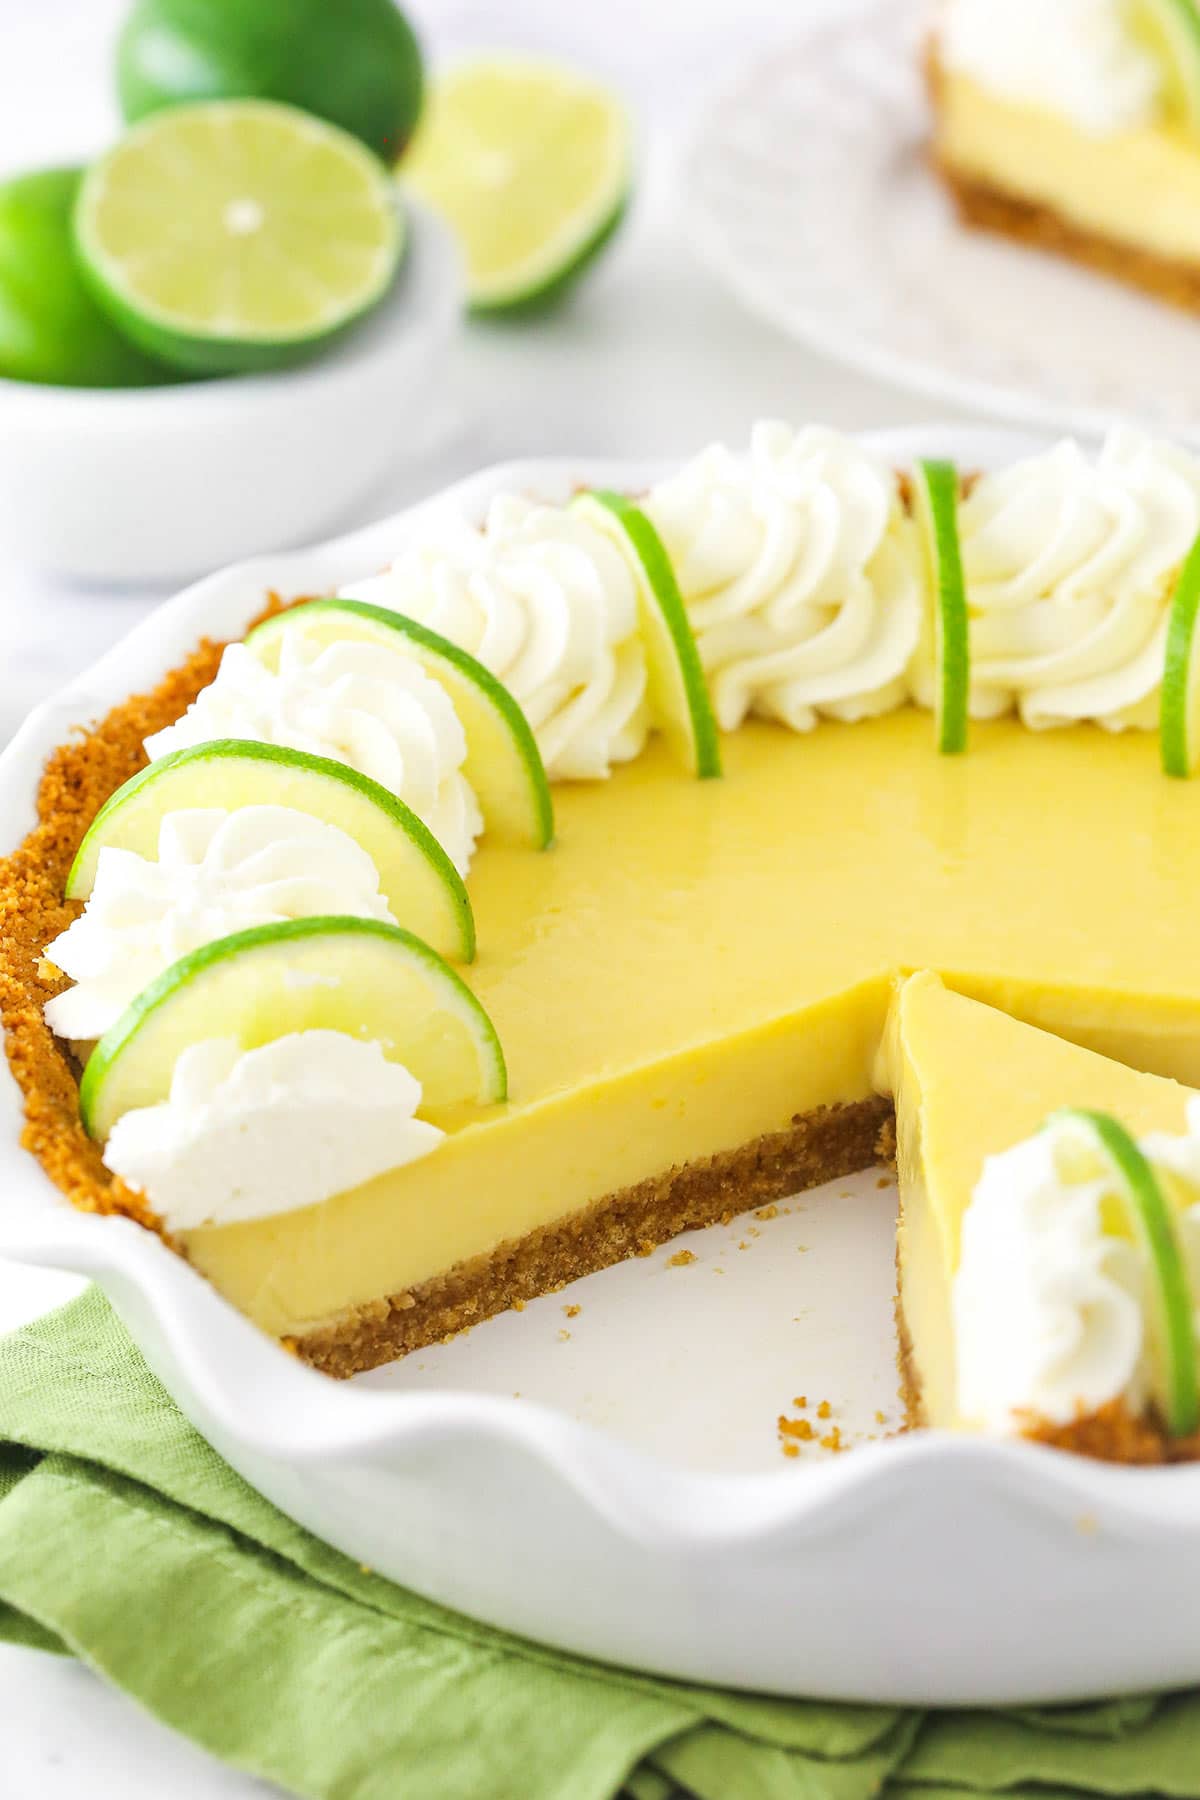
point(530, 164)
point(1172, 1328)
point(423, 889)
point(1179, 701)
point(503, 763)
point(1170, 30)
point(935, 487)
point(359, 976)
point(680, 706)
point(51, 329)
point(237, 235)
point(353, 62)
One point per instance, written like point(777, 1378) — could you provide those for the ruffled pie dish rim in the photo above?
point(933, 1522)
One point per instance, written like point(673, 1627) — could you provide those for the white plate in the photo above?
point(633, 1503)
point(807, 190)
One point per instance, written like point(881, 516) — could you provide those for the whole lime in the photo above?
point(51, 330)
point(353, 62)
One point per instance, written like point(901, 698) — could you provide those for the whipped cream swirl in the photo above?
point(374, 709)
point(217, 872)
point(545, 602)
point(801, 576)
point(1078, 58)
point(1070, 563)
point(245, 1134)
point(1048, 1306)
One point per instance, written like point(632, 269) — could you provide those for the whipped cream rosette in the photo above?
point(548, 605)
point(217, 872)
point(244, 1134)
point(801, 576)
point(1070, 562)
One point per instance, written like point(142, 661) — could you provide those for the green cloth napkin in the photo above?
point(125, 1540)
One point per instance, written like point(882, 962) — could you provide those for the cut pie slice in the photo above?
point(969, 1084)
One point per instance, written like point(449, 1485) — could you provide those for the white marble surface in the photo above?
point(649, 357)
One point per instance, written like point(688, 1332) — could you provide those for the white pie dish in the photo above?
point(156, 484)
point(934, 1570)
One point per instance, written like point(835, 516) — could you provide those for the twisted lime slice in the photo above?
point(679, 702)
point(1179, 701)
point(422, 887)
point(1172, 1329)
point(503, 765)
point(359, 976)
point(935, 487)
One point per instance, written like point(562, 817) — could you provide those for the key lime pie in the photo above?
point(1074, 125)
point(595, 872)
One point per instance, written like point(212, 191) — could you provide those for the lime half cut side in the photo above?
point(530, 164)
point(503, 764)
point(1170, 30)
point(423, 889)
point(1172, 1331)
point(935, 486)
point(237, 235)
point(680, 705)
point(1179, 702)
point(359, 976)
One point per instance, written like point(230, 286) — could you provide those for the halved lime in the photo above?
point(1179, 701)
point(530, 163)
point(503, 763)
point(359, 976)
point(422, 887)
point(680, 706)
point(353, 62)
point(237, 235)
point(51, 330)
point(1172, 1328)
point(1170, 30)
point(935, 487)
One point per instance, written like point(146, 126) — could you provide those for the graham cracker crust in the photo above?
point(989, 208)
point(818, 1146)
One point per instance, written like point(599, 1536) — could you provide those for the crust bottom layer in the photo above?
point(818, 1146)
point(1040, 227)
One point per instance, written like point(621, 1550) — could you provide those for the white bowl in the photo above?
point(156, 484)
point(931, 1571)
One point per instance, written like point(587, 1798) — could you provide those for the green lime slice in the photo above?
point(530, 164)
point(237, 235)
point(679, 701)
point(1179, 702)
point(1170, 30)
point(422, 887)
point(51, 330)
point(359, 976)
point(353, 62)
point(1173, 1333)
point(503, 765)
point(935, 489)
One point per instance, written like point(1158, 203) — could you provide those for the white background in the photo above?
point(649, 357)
